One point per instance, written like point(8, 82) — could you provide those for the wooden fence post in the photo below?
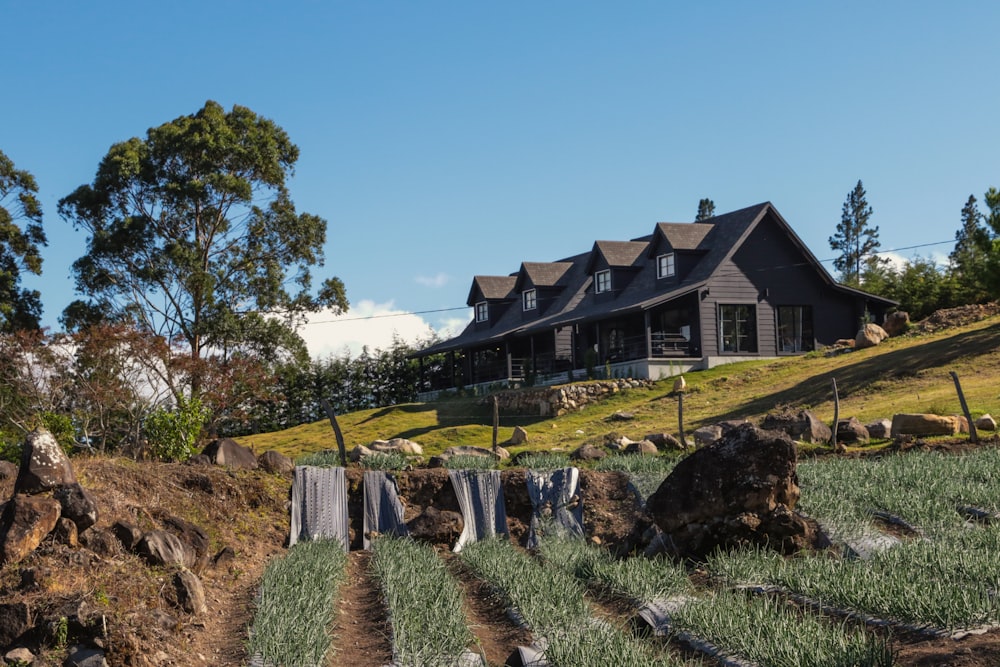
point(496, 422)
point(973, 436)
point(836, 414)
point(336, 430)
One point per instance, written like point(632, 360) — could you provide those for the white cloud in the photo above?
point(440, 280)
point(366, 323)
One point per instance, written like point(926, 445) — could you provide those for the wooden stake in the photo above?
point(496, 422)
point(836, 414)
point(973, 436)
point(680, 418)
point(336, 430)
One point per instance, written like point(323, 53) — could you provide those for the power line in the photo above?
point(376, 317)
point(445, 310)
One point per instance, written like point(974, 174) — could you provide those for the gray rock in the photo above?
point(803, 426)
point(436, 526)
point(852, 431)
point(986, 423)
point(78, 505)
point(518, 437)
point(880, 429)
point(643, 448)
point(159, 547)
point(190, 592)
point(127, 534)
point(664, 441)
point(587, 452)
point(83, 656)
point(44, 465)
point(706, 435)
point(469, 450)
point(193, 537)
point(102, 542)
point(276, 463)
point(228, 452)
point(869, 335)
point(15, 620)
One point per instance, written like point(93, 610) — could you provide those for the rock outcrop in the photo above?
point(740, 490)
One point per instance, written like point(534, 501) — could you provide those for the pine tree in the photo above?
point(968, 259)
point(706, 210)
point(856, 240)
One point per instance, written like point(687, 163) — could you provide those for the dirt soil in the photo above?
point(248, 513)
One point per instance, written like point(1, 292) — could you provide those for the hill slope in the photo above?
point(905, 374)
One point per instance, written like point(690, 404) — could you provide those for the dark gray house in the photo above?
point(688, 296)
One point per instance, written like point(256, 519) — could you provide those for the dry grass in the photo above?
point(905, 374)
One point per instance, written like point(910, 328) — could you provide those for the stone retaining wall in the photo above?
point(555, 401)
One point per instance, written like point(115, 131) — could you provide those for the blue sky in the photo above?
point(441, 140)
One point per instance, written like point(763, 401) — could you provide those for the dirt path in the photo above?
point(362, 634)
point(487, 616)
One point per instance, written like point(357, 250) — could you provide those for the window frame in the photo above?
point(482, 311)
point(529, 300)
point(802, 338)
point(744, 338)
point(602, 286)
point(666, 265)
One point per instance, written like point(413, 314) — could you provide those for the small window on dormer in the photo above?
point(528, 299)
point(482, 312)
point(665, 266)
point(602, 281)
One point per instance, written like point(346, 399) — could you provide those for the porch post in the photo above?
point(510, 362)
point(649, 335)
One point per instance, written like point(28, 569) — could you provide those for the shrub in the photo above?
point(172, 433)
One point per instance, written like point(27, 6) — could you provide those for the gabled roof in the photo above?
point(542, 274)
point(492, 288)
point(617, 254)
point(713, 241)
point(683, 235)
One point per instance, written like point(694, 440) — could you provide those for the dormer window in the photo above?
point(529, 299)
point(602, 281)
point(482, 312)
point(665, 266)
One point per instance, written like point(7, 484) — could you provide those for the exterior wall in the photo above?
point(770, 271)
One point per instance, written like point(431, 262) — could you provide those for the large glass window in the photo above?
point(795, 329)
point(528, 299)
point(665, 265)
point(738, 328)
point(602, 281)
point(482, 312)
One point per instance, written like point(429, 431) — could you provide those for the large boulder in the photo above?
point(642, 448)
point(228, 452)
point(896, 323)
point(869, 335)
point(803, 426)
point(78, 505)
point(739, 490)
point(194, 538)
point(25, 523)
point(852, 431)
point(587, 452)
point(44, 465)
point(924, 424)
point(400, 445)
point(275, 462)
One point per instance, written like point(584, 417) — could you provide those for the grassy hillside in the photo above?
point(905, 374)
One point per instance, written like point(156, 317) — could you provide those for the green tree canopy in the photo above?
point(855, 240)
point(968, 260)
point(21, 237)
point(193, 236)
point(706, 210)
